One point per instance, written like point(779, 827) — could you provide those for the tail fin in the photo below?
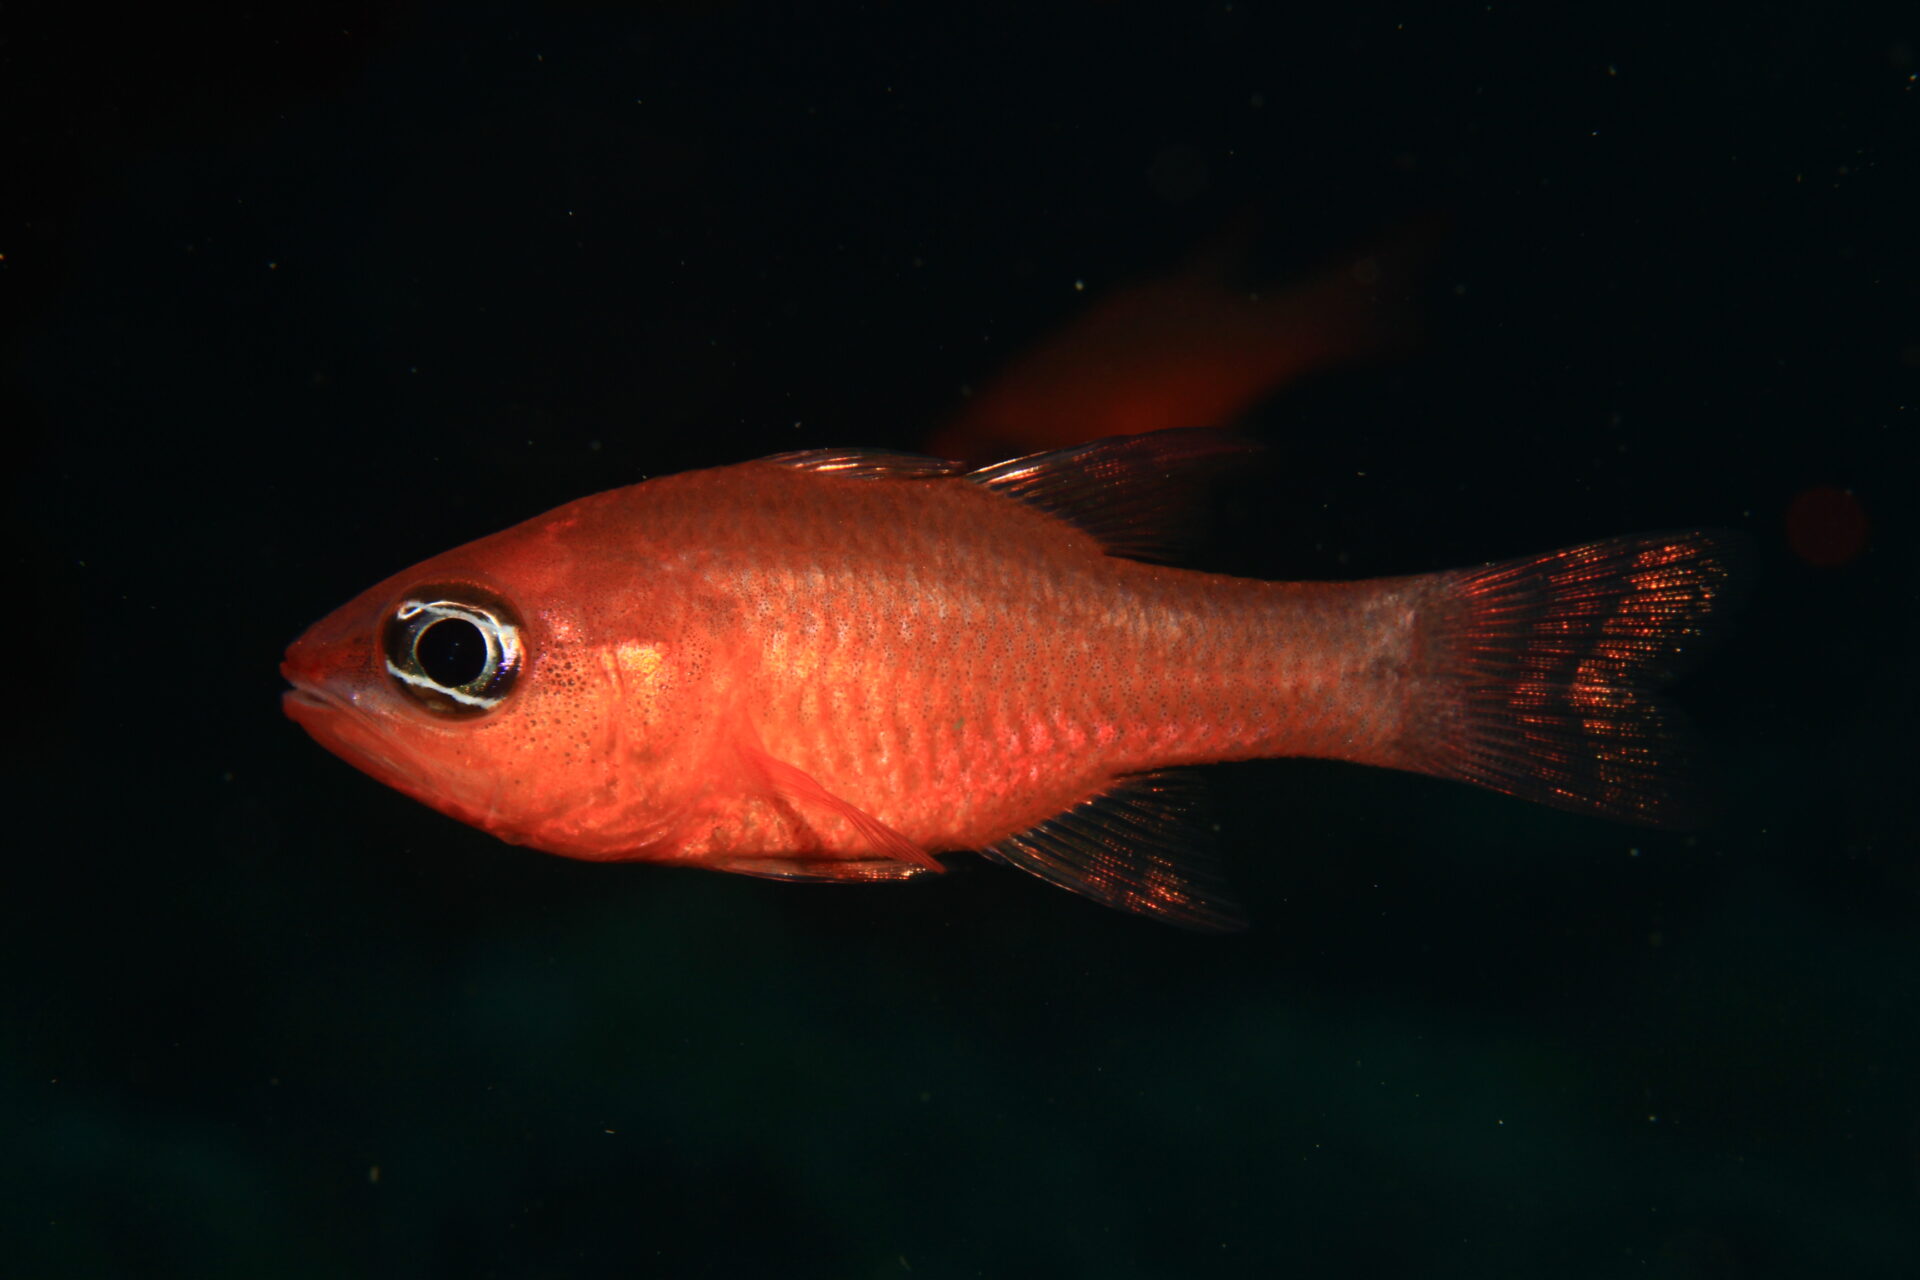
point(1536, 673)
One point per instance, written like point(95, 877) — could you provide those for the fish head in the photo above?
point(521, 684)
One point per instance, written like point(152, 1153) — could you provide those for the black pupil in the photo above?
point(451, 652)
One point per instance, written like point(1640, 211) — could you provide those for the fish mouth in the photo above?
point(308, 705)
point(305, 700)
point(348, 731)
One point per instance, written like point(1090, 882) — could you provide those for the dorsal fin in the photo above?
point(867, 464)
point(1136, 847)
point(1137, 495)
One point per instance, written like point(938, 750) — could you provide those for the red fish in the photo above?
point(840, 665)
point(1194, 345)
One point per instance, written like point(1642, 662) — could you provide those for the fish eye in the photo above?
point(455, 650)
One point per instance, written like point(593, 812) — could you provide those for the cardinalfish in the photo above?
point(1197, 344)
point(849, 664)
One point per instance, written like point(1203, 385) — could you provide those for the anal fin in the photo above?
point(1136, 847)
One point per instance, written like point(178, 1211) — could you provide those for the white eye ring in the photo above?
point(500, 662)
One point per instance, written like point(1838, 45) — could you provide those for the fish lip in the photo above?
point(309, 697)
point(343, 728)
point(298, 697)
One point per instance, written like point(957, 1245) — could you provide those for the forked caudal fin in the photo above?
point(1533, 676)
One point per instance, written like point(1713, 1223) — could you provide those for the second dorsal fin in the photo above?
point(867, 464)
point(1137, 495)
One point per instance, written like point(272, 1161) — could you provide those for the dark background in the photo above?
point(299, 295)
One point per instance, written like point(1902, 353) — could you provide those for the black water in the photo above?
point(295, 300)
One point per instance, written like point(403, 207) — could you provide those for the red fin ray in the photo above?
point(1137, 847)
point(867, 464)
point(1139, 496)
point(1535, 673)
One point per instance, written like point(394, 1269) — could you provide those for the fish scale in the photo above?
point(1197, 665)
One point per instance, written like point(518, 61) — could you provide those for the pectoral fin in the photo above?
point(800, 789)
